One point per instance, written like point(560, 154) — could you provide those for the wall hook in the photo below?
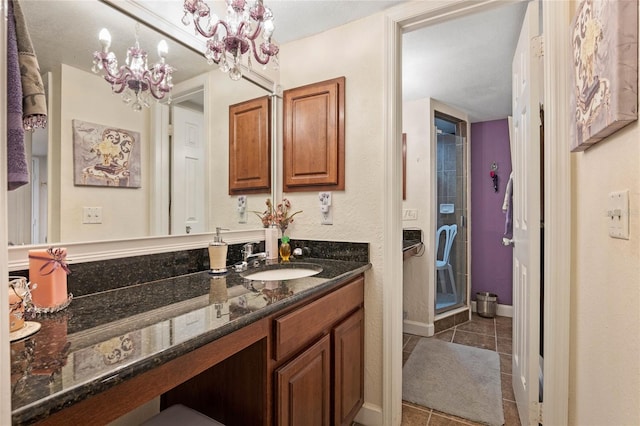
point(494, 176)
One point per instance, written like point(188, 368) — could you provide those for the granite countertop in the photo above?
point(411, 243)
point(105, 338)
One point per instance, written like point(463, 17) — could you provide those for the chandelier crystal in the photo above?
point(236, 35)
point(134, 80)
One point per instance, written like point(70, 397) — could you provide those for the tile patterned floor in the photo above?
point(487, 333)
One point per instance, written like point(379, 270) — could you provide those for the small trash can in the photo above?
point(486, 304)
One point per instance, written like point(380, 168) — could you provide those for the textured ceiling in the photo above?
point(465, 62)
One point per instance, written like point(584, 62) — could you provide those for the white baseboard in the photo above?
point(370, 415)
point(418, 328)
point(501, 310)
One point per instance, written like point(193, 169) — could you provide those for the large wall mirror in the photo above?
point(179, 192)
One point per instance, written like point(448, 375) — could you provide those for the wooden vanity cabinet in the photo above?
point(300, 366)
point(324, 383)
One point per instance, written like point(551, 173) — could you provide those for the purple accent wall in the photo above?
point(491, 262)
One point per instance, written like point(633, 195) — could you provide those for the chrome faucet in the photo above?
point(248, 255)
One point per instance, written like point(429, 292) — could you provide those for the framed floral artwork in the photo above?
point(105, 156)
point(604, 98)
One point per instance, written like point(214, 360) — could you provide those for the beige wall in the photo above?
point(125, 211)
point(416, 270)
point(605, 303)
point(357, 211)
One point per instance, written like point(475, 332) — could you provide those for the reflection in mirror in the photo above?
point(175, 196)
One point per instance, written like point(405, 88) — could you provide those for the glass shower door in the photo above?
point(451, 234)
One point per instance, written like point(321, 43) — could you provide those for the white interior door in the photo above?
point(187, 171)
point(527, 83)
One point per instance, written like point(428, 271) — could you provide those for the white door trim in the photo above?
point(557, 202)
point(5, 374)
point(392, 267)
point(557, 250)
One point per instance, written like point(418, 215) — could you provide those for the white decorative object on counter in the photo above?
point(271, 242)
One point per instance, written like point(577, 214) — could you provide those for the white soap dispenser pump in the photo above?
point(218, 254)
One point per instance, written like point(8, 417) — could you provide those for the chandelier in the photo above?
point(236, 35)
point(134, 80)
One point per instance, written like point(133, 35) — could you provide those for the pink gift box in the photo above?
point(48, 276)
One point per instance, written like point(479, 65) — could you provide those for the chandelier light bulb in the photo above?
point(163, 49)
point(268, 29)
point(105, 39)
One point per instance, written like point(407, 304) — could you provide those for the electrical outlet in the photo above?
point(242, 209)
point(325, 198)
point(327, 216)
point(325, 208)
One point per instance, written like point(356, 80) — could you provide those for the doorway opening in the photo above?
point(187, 192)
point(557, 214)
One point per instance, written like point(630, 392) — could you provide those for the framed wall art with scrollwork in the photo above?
point(604, 98)
point(105, 156)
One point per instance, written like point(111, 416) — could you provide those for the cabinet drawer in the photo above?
point(297, 329)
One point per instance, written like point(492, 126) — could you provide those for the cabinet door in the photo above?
point(250, 147)
point(313, 141)
point(303, 387)
point(348, 343)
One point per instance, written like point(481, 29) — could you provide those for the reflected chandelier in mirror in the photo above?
point(134, 80)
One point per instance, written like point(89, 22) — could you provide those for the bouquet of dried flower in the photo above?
point(278, 215)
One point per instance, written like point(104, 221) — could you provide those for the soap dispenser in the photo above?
point(218, 254)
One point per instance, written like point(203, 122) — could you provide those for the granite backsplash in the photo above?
point(94, 277)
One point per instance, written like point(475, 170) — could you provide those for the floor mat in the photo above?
point(456, 379)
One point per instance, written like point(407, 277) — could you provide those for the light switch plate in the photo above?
point(618, 214)
point(92, 215)
point(410, 214)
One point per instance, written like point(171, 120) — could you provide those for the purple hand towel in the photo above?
point(34, 101)
point(18, 171)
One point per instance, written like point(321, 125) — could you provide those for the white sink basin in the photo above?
point(283, 271)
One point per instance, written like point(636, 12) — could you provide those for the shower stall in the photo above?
point(451, 215)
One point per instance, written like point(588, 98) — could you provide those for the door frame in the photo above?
point(557, 267)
